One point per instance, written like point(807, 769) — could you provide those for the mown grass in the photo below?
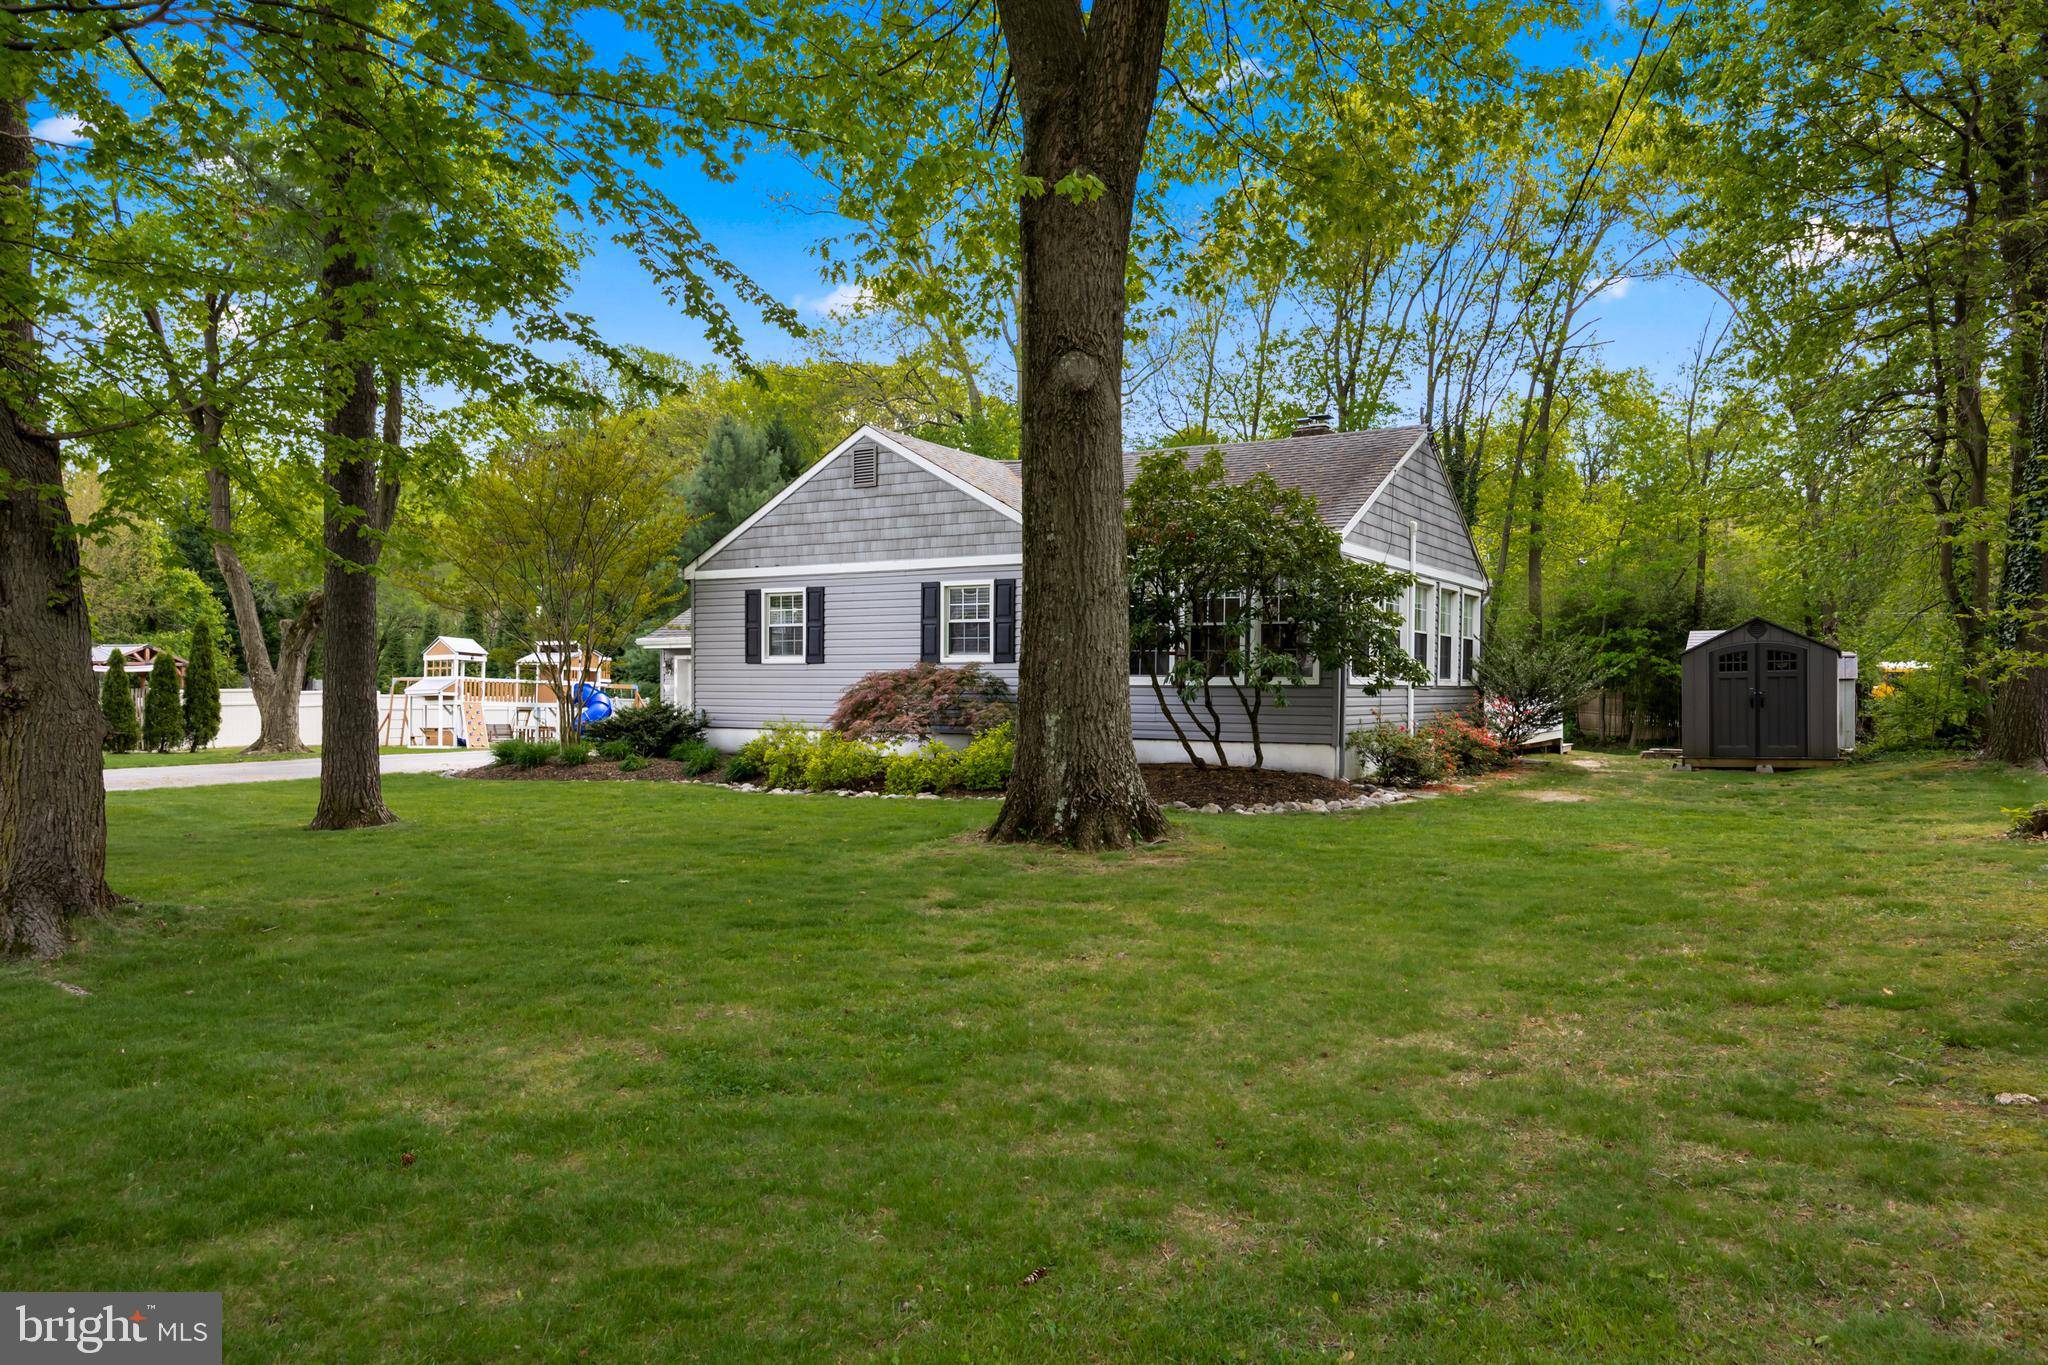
point(1699, 1066)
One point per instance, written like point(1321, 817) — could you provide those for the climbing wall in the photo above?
point(473, 731)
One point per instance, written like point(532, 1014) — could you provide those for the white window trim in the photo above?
point(946, 654)
point(768, 656)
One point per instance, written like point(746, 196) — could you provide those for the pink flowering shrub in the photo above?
point(918, 702)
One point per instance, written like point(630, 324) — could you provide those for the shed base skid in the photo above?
point(1761, 765)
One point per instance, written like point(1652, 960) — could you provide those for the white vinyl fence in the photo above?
point(240, 724)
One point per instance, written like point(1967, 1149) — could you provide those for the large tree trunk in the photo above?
point(53, 806)
point(276, 686)
point(1086, 87)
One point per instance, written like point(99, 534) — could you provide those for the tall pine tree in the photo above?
point(163, 726)
point(202, 689)
point(117, 705)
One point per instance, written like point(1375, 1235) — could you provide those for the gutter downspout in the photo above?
point(1414, 530)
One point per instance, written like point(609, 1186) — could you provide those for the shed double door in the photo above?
point(1759, 701)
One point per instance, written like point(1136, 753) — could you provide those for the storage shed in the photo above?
point(1760, 693)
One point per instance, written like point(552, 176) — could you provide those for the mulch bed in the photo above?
point(1238, 786)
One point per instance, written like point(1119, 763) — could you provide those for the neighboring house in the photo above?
point(137, 660)
point(671, 645)
point(892, 549)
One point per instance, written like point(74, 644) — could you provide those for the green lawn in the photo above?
point(1699, 1066)
point(180, 758)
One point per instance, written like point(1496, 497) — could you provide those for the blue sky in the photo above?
point(1649, 323)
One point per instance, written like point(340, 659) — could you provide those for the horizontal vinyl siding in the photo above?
point(871, 622)
point(1309, 717)
point(908, 514)
point(1420, 493)
point(1363, 709)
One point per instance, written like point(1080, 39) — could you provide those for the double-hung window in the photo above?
point(970, 622)
point(1220, 630)
point(1151, 630)
point(1282, 634)
point(1471, 623)
point(1446, 630)
point(1420, 596)
point(782, 625)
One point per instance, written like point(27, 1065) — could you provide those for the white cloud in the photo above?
point(61, 129)
point(1617, 287)
point(845, 300)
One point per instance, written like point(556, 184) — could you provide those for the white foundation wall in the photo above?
point(240, 723)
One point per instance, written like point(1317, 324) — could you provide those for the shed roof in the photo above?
point(459, 645)
point(1694, 639)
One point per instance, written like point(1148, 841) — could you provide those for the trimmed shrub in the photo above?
point(929, 769)
point(163, 718)
point(697, 757)
point(920, 701)
point(616, 750)
point(650, 730)
point(782, 751)
point(202, 689)
point(1398, 758)
point(632, 763)
point(984, 765)
point(573, 754)
point(837, 763)
point(117, 707)
point(1465, 747)
point(742, 767)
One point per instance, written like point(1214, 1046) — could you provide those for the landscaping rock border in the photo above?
point(1365, 800)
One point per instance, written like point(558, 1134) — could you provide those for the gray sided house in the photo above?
point(892, 549)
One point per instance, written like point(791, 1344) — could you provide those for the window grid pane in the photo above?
point(970, 619)
point(785, 614)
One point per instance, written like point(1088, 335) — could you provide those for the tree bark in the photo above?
point(53, 807)
point(1086, 86)
point(277, 685)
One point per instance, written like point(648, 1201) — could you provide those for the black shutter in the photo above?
point(753, 625)
point(1006, 621)
point(928, 630)
point(814, 625)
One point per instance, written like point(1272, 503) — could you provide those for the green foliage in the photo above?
point(163, 721)
point(117, 707)
point(697, 757)
point(931, 767)
point(1922, 708)
point(522, 753)
point(651, 730)
point(616, 749)
point(632, 763)
point(840, 763)
point(202, 688)
point(985, 764)
point(1531, 682)
point(779, 754)
point(738, 472)
point(743, 766)
point(572, 753)
point(1398, 757)
point(2028, 822)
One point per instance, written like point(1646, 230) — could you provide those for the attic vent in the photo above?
point(864, 467)
point(1314, 424)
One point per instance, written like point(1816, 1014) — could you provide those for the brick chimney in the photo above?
point(1312, 424)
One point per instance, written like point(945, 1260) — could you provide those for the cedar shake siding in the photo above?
point(1419, 492)
point(908, 514)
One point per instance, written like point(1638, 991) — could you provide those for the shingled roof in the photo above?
point(1339, 469)
point(1002, 480)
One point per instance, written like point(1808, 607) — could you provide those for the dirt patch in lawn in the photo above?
point(596, 770)
point(1238, 786)
point(1549, 794)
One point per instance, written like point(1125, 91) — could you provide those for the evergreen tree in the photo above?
point(202, 689)
point(162, 725)
point(738, 473)
point(117, 704)
point(787, 446)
